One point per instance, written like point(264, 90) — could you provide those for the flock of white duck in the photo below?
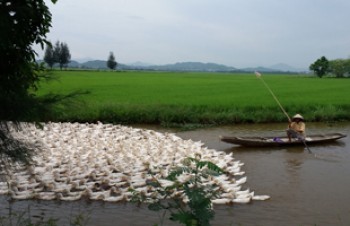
point(102, 161)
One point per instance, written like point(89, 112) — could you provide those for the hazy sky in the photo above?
point(238, 33)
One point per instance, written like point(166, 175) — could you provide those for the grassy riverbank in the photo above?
point(196, 98)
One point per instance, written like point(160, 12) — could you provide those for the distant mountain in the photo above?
point(139, 64)
point(286, 68)
point(182, 66)
point(72, 64)
point(192, 66)
point(260, 69)
point(83, 60)
point(95, 64)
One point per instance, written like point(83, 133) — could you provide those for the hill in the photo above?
point(260, 69)
point(182, 66)
point(95, 64)
point(192, 66)
point(286, 68)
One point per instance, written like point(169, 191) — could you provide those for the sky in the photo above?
point(237, 33)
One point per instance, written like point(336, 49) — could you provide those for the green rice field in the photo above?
point(195, 98)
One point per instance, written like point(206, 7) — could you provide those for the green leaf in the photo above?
point(185, 218)
point(214, 167)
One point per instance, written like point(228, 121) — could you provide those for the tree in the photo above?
point(23, 23)
point(61, 54)
point(320, 66)
point(338, 67)
point(111, 63)
point(65, 56)
point(56, 51)
point(347, 66)
point(49, 56)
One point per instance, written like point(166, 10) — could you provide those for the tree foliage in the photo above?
point(111, 63)
point(340, 67)
point(58, 54)
point(64, 55)
point(320, 66)
point(49, 56)
point(22, 24)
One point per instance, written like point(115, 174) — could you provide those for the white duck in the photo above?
point(261, 197)
point(97, 195)
point(22, 195)
point(71, 146)
point(49, 195)
point(70, 196)
point(115, 198)
point(241, 181)
point(241, 200)
point(222, 201)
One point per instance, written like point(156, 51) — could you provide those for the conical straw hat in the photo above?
point(298, 116)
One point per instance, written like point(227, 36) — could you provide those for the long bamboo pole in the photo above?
point(258, 75)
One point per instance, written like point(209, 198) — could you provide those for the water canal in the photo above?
point(305, 189)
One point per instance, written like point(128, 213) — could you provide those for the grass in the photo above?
point(196, 98)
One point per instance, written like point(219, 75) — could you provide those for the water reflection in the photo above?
point(292, 149)
point(294, 164)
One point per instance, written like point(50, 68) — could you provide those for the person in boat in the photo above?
point(296, 128)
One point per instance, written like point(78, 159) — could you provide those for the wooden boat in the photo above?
point(281, 141)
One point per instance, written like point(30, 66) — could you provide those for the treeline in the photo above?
point(57, 54)
point(60, 54)
point(339, 67)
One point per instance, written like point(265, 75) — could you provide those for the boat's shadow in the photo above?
point(291, 149)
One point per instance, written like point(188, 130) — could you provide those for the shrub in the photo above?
point(183, 193)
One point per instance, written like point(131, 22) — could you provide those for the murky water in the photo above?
point(305, 189)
